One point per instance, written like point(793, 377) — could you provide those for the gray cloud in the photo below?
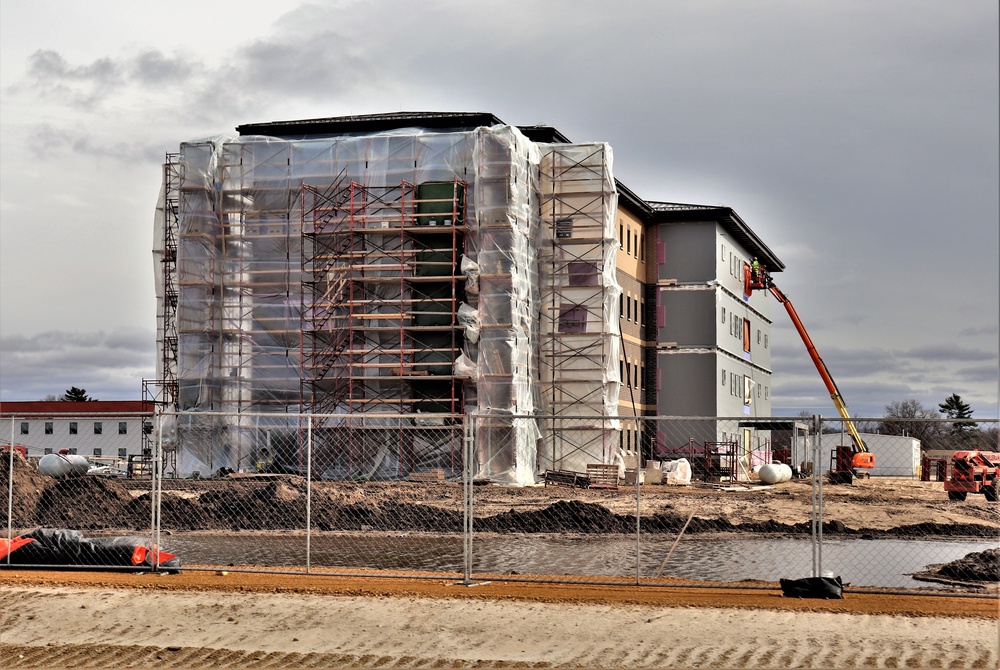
point(109, 365)
point(861, 139)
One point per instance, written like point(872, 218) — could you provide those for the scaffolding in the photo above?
point(165, 253)
point(390, 285)
point(381, 293)
point(580, 337)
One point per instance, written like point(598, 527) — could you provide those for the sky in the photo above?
point(858, 139)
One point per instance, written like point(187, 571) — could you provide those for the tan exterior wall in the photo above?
point(635, 265)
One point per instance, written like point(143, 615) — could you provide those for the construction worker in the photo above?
point(264, 463)
point(755, 269)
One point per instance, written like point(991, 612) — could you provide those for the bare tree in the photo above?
point(911, 418)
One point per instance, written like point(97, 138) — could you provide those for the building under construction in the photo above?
point(391, 275)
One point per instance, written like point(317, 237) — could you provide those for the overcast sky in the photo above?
point(859, 139)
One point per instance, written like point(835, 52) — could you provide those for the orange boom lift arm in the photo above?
point(759, 279)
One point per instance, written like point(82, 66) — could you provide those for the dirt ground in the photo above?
point(879, 507)
point(217, 618)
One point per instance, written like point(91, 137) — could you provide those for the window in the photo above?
point(72, 450)
point(766, 389)
point(642, 312)
point(621, 370)
point(621, 233)
point(621, 305)
point(572, 318)
point(635, 376)
point(765, 340)
point(48, 427)
point(123, 453)
point(582, 273)
point(642, 247)
point(24, 428)
point(564, 228)
point(723, 252)
point(147, 427)
point(98, 427)
point(723, 315)
point(98, 452)
point(628, 241)
point(123, 427)
point(723, 377)
point(628, 308)
point(628, 374)
point(72, 427)
point(46, 451)
point(746, 335)
point(642, 376)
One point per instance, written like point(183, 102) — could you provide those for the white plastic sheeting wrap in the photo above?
point(537, 272)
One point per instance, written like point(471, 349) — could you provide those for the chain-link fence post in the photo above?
point(816, 525)
point(10, 489)
point(155, 495)
point(468, 451)
point(309, 460)
point(638, 513)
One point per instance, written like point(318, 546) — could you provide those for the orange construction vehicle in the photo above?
point(845, 459)
point(973, 472)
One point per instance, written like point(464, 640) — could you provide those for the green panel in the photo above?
point(435, 310)
point(449, 197)
point(433, 362)
point(435, 396)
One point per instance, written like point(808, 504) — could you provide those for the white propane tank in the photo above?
point(59, 466)
point(775, 473)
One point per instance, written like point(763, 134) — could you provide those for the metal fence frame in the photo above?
point(470, 529)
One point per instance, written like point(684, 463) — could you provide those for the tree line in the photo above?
point(950, 426)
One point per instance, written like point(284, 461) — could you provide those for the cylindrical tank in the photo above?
point(63, 465)
point(775, 473)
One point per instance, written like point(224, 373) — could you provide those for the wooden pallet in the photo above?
point(567, 478)
point(602, 476)
point(427, 476)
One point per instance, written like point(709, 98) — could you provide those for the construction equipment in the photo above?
point(845, 459)
point(974, 472)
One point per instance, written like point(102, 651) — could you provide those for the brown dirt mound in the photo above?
point(28, 487)
point(979, 566)
point(279, 503)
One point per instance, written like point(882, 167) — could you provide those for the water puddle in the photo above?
point(882, 563)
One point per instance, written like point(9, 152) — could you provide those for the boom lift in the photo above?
point(845, 459)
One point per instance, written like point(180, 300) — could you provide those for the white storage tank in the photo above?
point(59, 466)
point(775, 473)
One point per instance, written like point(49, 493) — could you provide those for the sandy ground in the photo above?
point(199, 619)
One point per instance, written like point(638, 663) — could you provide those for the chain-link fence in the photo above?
point(647, 500)
point(80, 500)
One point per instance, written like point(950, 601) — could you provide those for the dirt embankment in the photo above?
point(870, 508)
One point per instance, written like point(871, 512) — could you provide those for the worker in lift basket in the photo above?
point(759, 274)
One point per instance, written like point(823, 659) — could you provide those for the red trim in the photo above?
point(60, 408)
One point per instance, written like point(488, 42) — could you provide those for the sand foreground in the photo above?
point(277, 621)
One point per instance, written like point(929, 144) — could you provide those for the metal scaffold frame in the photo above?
point(172, 176)
point(579, 330)
point(381, 292)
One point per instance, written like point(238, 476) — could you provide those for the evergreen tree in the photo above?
point(957, 409)
point(73, 394)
